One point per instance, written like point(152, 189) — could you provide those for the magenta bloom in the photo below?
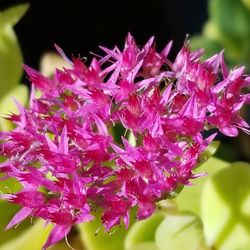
point(65, 155)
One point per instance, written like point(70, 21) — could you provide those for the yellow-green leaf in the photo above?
point(143, 231)
point(231, 16)
point(8, 105)
point(51, 61)
point(180, 231)
point(144, 246)
point(7, 211)
point(94, 237)
point(189, 198)
point(10, 53)
point(225, 206)
point(31, 239)
point(246, 247)
point(12, 15)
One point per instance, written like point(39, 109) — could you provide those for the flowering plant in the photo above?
point(63, 150)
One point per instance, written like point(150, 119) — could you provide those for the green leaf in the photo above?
point(234, 48)
point(7, 104)
point(118, 131)
point(225, 206)
point(132, 139)
point(94, 237)
point(144, 246)
point(193, 193)
point(10, 53)
point(12, 15)
point(51, 61)
point(211, 149)
point(180, 231)
point(245, 247)
point(232, 19)
point(143, 231)
point(208, 153)
point(247, 4)
point(9, 185)
point(231, 16)
point(7, 211)
point(31, 239)
point(211, 46)
point(73, 241)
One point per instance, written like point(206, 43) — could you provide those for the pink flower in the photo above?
point(64, 143)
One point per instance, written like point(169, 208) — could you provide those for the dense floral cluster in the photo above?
point(64, 152)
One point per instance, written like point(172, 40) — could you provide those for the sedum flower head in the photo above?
point(65, 151)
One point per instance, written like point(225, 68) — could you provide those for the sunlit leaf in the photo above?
point(231, 16)
point(31, 239)
point(189, 198)
point(9, 185)
point(10, 53)
point(209, 152)
point(12, 15)
point(245, 247)
point(94, 236)
point(247, 4)
point(143, 231)
point(180, 231)
point(211, 31)
point(211, 149)
point(144, 246)
point(8, 105)
point(51, 61)
point(7, 211)
point(211, 46)
point(74, 242)
point(132, 139)
point(225, 206)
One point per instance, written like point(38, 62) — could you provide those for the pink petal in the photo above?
point(41, 82)
point(190, 108)
point(60, 51)
point(63, 145)
point(21, 110)
point(20, 216)
point(224, 68)
point(57, 233)
point(100, 125)
point(51, 144)
point(166, 94)
point(114, 77)
point(229, 131)
point(214, 62)
point(132, 74)
point(166, 50)
point(110, 52)
point(146, 48)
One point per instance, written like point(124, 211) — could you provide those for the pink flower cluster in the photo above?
point(66, 156)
